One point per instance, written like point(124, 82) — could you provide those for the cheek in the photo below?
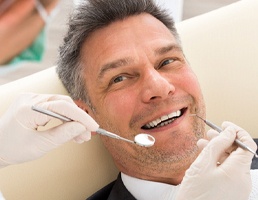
point(189, 82)
point(120, 106)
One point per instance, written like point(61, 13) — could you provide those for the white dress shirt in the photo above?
point(149, 190)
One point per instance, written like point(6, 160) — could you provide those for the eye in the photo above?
point(119, 79)
point(166, 62)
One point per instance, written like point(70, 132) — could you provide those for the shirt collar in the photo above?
point(149, 190)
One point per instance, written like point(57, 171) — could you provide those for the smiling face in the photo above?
point(139, 81)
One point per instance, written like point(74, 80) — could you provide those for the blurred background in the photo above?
point(44, 34)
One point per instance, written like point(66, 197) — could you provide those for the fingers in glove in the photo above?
point(72, 111)
point(237, 156)
point(242, 135)
point(78, 140)
point(214, 152)
point(82, 138)
point(202, 143)
point(209, 135)
point(29, 118)
point(224, 142)
point(212, 134)
point(67, 132)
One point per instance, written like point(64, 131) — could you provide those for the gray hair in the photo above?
point(90, 16)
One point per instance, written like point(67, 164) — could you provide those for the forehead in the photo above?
point(135, 35)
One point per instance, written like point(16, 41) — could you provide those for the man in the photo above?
point(122, 62)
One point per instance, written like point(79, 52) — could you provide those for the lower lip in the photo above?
point(168, 126)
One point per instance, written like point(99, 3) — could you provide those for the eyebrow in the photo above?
point(128, 60)
point(166, 49)
point(113, 65)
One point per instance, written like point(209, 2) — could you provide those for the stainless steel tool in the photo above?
point(142, 139)
point(217, 128)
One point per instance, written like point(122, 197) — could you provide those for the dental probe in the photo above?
point(217, 128)
point(142, 139)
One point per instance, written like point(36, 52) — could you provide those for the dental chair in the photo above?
point(222, 48)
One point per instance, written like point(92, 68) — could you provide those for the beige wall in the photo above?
point(222, 49)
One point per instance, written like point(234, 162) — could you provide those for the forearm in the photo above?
point(17, 33)
point(20, 37)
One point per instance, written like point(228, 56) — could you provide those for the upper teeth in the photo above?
point(163, 118)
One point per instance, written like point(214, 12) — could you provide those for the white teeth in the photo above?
point(175, 114)
point(163, 118)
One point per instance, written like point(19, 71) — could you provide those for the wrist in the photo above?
point(46, 9)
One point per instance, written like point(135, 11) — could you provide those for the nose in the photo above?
point(156, 86)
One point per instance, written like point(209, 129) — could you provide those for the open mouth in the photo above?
point(164, 120)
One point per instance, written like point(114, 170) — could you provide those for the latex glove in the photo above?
point(1, 196)
point(19, 139)
point(206, 179)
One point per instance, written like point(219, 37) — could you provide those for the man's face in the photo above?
point(139, 81)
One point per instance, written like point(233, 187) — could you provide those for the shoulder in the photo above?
point(116, 190)
point(102, 193)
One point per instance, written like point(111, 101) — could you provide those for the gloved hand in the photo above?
point(19, 139)
point(222, 170)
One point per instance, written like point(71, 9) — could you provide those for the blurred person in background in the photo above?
point(22, 24)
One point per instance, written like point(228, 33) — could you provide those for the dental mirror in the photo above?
point(142, 139)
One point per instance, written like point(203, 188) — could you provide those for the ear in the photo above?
point(81, 104)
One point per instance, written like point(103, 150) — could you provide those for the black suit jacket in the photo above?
point(117, 190)
point(113, 191)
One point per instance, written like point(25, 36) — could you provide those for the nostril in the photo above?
point(156, 86)
point(162, 95)
point(154, 94)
